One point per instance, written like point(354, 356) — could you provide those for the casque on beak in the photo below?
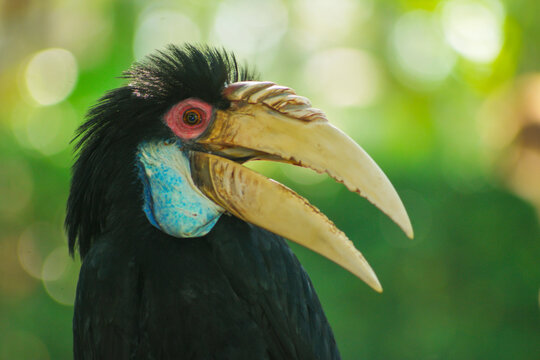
point(267, 121)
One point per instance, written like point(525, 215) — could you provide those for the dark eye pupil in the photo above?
point(192, 118)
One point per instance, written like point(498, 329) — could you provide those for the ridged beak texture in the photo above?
point(271, 122)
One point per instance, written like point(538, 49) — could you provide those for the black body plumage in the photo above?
point(236, 293)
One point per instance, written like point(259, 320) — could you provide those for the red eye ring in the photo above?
point(192, 117)
point(189, 118)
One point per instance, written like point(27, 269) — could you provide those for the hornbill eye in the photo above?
point(192, 117)
point(189, 118)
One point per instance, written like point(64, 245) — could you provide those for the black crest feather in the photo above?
point(104, 186)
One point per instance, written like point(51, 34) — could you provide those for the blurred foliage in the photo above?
point(433, 90)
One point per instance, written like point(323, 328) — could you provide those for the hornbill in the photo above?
point(183, 247)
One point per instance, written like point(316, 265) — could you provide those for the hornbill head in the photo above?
point(182, 128)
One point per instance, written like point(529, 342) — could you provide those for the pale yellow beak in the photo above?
point(266, 121)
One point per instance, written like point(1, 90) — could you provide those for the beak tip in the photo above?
point(408, 230)
point(403, 221)
point(371, 279)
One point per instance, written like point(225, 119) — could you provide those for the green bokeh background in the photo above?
point(466, 287)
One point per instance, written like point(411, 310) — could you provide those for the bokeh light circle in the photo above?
point(159, 27)
point(35, 244)
point(55, 264)
point(84, 30)
point(329, 22)
point(419, 52)
point(46, 129)
point(250, 27)
point(60, 274)
point(51, 75)
point(473, 28)
point(344, 76)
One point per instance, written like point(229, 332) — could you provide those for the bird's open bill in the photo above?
point(266, 121)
